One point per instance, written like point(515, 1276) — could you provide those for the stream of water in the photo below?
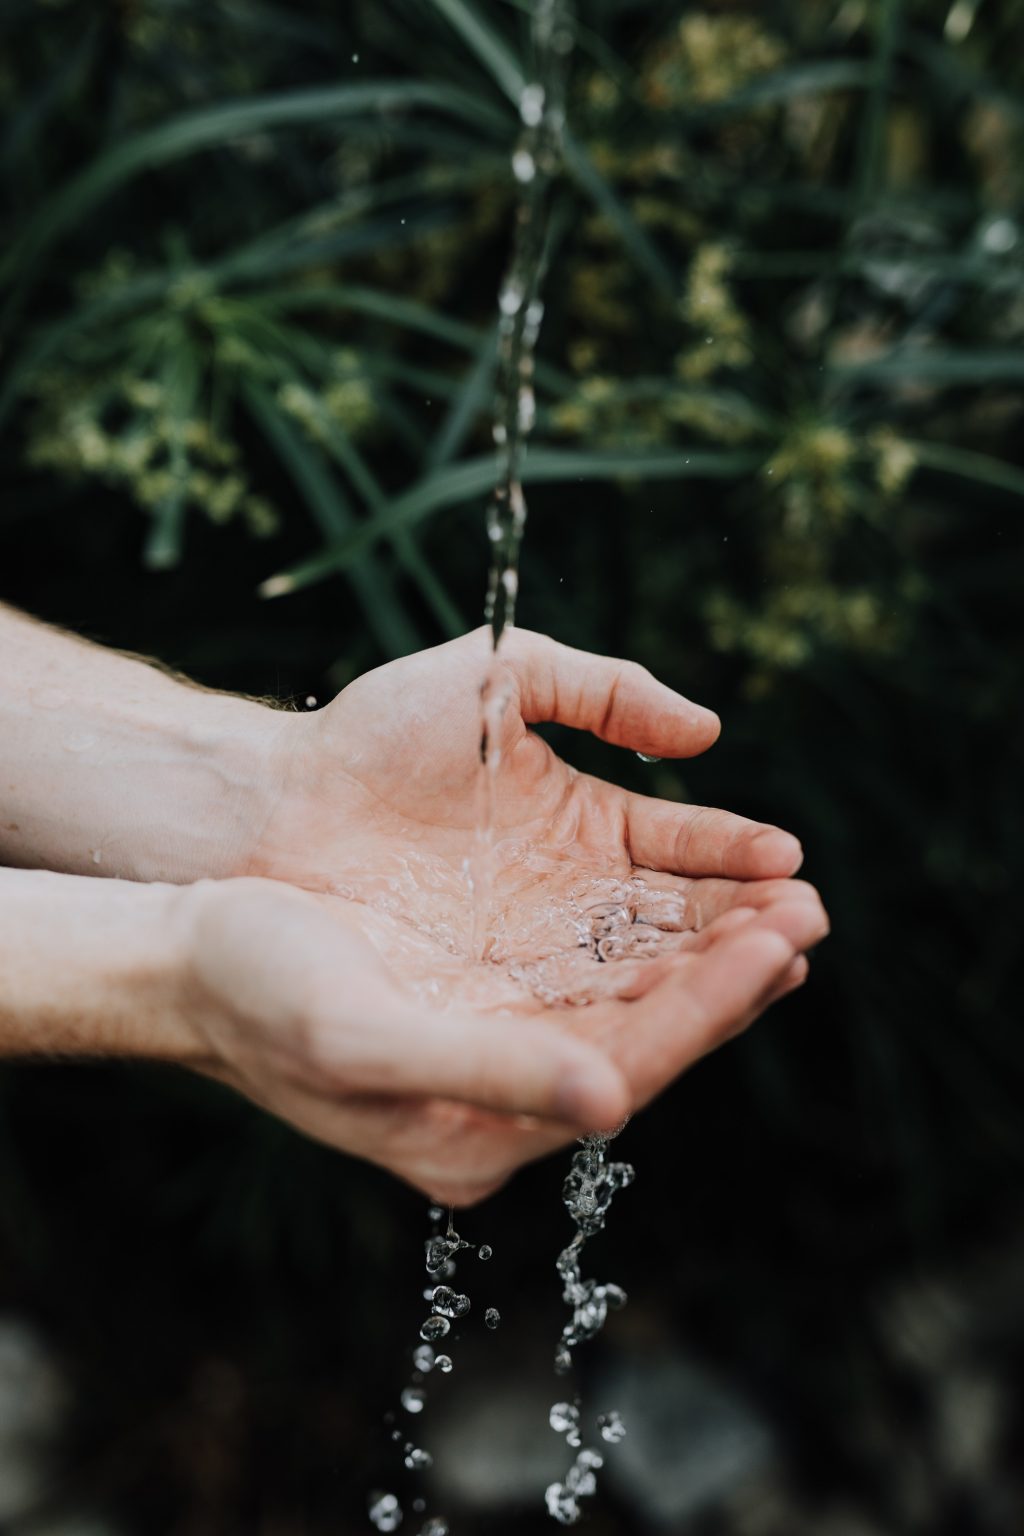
point(559, 949)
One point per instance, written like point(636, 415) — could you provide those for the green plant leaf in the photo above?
point(305, 466)
point(970, 465)
point(645, 254)
point(936, 365)
point(220, 124)
point(181, 377)
point(476, 389)
point(816, 77)
point(488, 45)
point(339, 445)
point(477, 477)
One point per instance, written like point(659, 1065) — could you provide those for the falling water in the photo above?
point(447, 1306)
point(593, 1180)
point(551, 954)
point(536, 163)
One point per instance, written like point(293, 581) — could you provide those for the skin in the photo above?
point(251, 930)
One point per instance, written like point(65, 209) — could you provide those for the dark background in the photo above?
point(783, 348)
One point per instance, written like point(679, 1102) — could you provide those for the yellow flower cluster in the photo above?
point(710, 309)
point(345, 401)
point(709, 57)
point(798, 620)
point(123, 434)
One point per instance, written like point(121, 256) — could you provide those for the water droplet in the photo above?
point(423, 1358)
point(311, 701)
point(510, 300)
point(444, 1363)
point(581, 1481)
point(524, 167)
point(97, 856)
point(531, 105)
point(563, 1417)
point(385, 1511)
point(437, 1254)
point(448, 1302)
point(1000, 236)
point(435, 1526)
point(417, 1460)
point(419, 1505)
point(561, 1504)
point(435, 1213)
point(492, 1317)
point(646, 758)
point(485, 1251)
point(611, 1426)
point(355, 58)
point(413, 1399)
point(434, 1328)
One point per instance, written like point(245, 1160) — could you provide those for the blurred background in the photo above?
point(248, 272)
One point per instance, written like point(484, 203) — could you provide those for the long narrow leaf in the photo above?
point(488, 45)
point(220, 124)
point(476, 477)
point(466, 406)
point(637, 242)
point(345, 453)
point(305, 466)
point(816, 77)
point(934, 365)
point(181, 389)
point(970, 466)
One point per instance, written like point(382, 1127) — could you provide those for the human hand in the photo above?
point(378, 794)
point(291, 1004)
point(379, 807)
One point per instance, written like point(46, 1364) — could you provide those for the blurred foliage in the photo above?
point(248, 281)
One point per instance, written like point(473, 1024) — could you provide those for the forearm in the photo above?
point(110, 767)
point(93, 968)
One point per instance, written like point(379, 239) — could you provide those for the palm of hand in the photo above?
point(382, 815)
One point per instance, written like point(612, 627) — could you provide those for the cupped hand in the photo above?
point(293, 1006)
point(465, 1031)
point(381, 789)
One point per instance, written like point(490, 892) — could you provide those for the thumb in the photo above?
point(617, 700)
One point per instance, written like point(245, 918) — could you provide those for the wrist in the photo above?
point(239, 752)
point(94, 968)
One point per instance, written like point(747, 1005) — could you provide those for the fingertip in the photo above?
point(764, 949)
point(797, 973)
point(591, 1093)
point(697, 728)
point(710, 723)
point(774, 854)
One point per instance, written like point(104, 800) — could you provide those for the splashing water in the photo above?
point(590, 1186)
point(446, 1305)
